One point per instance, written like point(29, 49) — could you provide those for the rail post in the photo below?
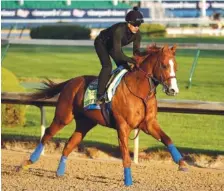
point(42, 110)
point(193, 68)
point(21, 32)
point(136, 147)
point(6, 43)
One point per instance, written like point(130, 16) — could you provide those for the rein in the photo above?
point(151, 83)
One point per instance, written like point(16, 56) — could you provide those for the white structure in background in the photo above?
point(115, 2)
point(203, 8)
point(21, 2)
point(68, 2)
point(158, 8)
point(157, 12)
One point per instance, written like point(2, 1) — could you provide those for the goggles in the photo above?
point(136, 23)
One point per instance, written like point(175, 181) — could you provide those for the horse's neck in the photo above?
point(148, 64)
point(138, 84)
point(139, 81)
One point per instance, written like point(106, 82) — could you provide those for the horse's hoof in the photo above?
point(129, 184)
point(183, 166)
point(59, 175)
point(60, 172)
point(24, 166)
point(18, 168)
point(61, 167)
point(183, 169)
point(21, 167)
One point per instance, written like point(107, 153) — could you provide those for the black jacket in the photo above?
point(117, 36)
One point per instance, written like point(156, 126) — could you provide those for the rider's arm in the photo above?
point(117, 47)
point(136, 46)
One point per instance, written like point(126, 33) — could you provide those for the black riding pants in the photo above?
point(104, 56)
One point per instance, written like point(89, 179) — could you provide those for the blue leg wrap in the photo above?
point(36, 154)
point(61, 167)
point(174, 153)
point(127, 177)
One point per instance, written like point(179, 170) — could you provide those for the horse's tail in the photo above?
point(49, 91)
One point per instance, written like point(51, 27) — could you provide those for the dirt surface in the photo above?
point(106, 173)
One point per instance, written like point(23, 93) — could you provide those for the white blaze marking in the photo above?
point(172, 73)
point(173, 80)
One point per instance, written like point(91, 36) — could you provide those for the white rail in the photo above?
point(201, 46)
point(199, 21)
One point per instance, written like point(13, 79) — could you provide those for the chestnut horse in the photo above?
point(134, 105)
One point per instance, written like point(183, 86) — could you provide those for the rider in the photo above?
point(109, 43)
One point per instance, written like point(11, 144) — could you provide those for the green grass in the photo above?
point(199, 132)
point(53, 62)
point(37, 62)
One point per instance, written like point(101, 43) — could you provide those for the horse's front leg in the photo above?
point(123, 134)
point(154, 129)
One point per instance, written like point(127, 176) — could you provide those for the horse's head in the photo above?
point(161, 66)
point(165, 70)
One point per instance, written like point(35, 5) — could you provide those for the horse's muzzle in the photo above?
point(170, 91)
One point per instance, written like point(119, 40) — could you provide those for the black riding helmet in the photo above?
point(134, 17)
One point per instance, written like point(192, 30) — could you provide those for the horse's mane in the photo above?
point(150, 50)
point(153, 48)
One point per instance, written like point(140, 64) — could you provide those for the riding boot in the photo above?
point(102, 82)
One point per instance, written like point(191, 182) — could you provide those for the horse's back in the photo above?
point(76, 87)
point(81, 81)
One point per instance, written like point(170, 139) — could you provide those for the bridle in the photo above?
point(153, 81)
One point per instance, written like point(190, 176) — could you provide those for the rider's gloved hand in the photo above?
point(131, 66)
point(132, 63)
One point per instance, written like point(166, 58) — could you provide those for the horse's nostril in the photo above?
point(171, 90)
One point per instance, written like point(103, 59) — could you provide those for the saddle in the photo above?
point(90, 96)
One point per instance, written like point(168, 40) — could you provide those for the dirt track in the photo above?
point(97, 175)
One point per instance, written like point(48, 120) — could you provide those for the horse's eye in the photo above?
point(164, 66)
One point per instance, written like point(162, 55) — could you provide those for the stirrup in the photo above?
point(100, 100)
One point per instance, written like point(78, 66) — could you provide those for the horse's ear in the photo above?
point(173, 49)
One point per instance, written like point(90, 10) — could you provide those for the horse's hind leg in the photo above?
point(55, 126)
point(154, 129)
point(82, 127)
point(63, 116)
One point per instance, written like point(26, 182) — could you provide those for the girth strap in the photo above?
point(108, 115)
